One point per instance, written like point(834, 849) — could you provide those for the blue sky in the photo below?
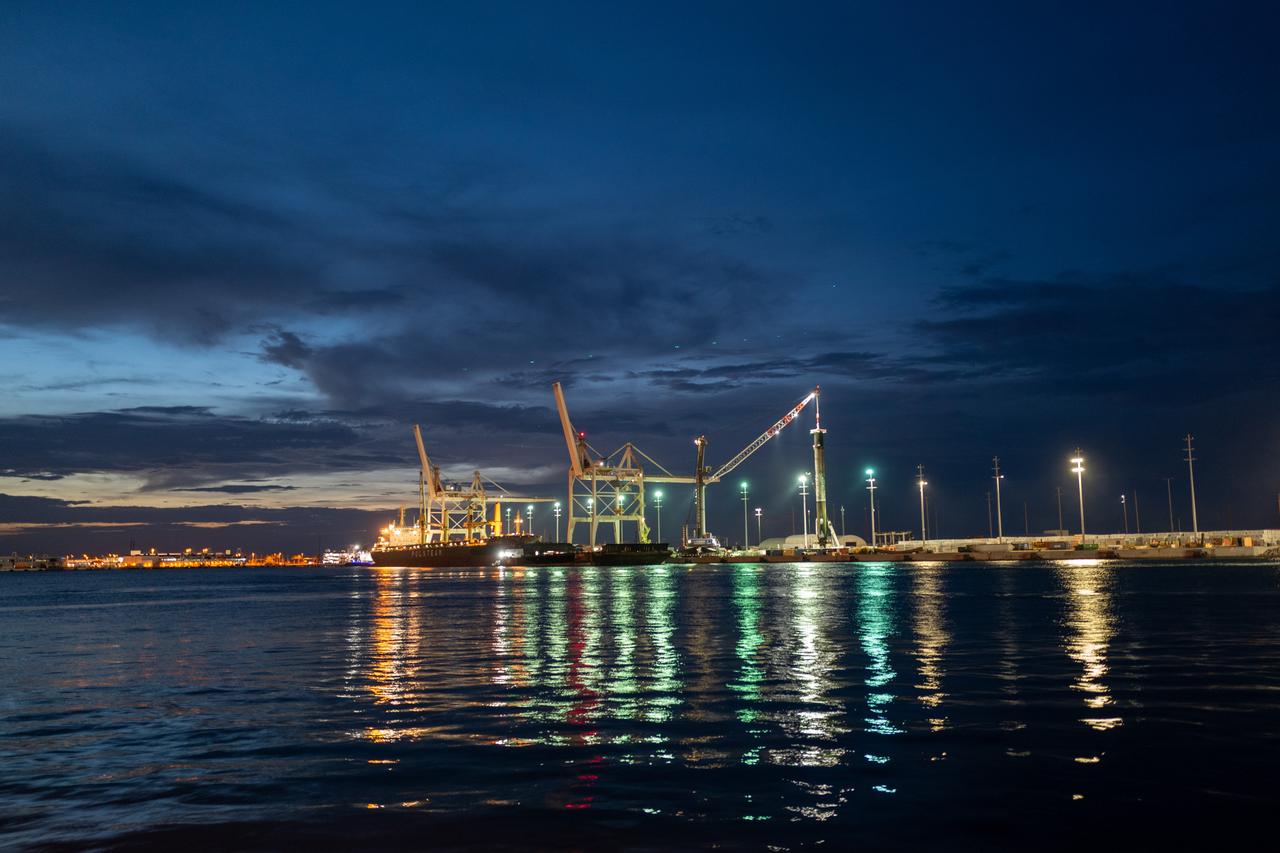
point(247, 245)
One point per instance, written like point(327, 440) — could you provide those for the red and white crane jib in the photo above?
point(579, 460)
point(429, 478)
point(751, 448)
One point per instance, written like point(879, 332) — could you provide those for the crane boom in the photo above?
point(763, 439)
point(428, 476)
point(579, 461)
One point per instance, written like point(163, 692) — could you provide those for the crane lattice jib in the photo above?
point(751, 448)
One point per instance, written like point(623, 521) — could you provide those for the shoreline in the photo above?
point(1190, 555)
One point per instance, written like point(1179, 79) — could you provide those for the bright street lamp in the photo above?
point(556, 509)
point(657, 505)
point(871, 487)
point(804, 502)
point(529, 512)
point(746, 535)
point(921, 482)
point(1077, 462)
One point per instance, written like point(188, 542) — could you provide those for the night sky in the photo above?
point(244, 247)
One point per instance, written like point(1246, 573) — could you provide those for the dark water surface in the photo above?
point(875, 706)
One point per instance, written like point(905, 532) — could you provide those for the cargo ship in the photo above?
point(461, 525)
point(519, 550)
point(494, 551)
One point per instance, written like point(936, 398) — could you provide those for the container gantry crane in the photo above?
point(451, 512)
point(611, 489)
point(606, 489)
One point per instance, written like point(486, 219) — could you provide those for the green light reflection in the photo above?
point(750, 674)
point(664, 682)
point(875, 626)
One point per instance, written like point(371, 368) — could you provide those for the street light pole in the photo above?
point(844, 531)
point(759, 527)
point(556, 510)
point(804, 502)
point(920, 482)
point(995, 461)
point(871, 487)
point(1124, 507)
point(657, 505)
point(1191, 474)
point(746, 536)
point(1078, 462)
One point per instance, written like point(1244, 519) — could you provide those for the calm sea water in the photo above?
point(877, 706)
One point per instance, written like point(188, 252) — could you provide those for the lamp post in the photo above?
point(556, 509)
point(1191, 475)
point(997, 476)
point(804, 502)
point(746, 535)
point(528, 510)
point(871, 487)
point(657, 506)
point(1124, 507)
point(508, 530)
point(921, 483)
point(843, 530)
point(1077, 463)
point(759, 527)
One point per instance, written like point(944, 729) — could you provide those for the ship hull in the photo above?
point(494, 552)
point(646, 554)
point(512, 551)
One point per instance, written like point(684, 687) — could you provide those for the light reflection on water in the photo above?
point(931, 640)
point(875, 621)
point(792, 695)
point(1091, 625)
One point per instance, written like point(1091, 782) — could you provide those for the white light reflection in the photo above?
point(931, 641)
point(812, 727)
point(1090, 627)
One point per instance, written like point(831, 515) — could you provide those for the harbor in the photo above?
point(639, 428)
point(460, 524)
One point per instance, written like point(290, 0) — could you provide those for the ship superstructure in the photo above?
point(454, 526)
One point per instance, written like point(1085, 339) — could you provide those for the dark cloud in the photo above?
point(92, 239)
point(179, 445)
point(286, 349)
point(89, 238)
point(33, 524)
point(1146, 338)
point(192, 449)
point(238, 489)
